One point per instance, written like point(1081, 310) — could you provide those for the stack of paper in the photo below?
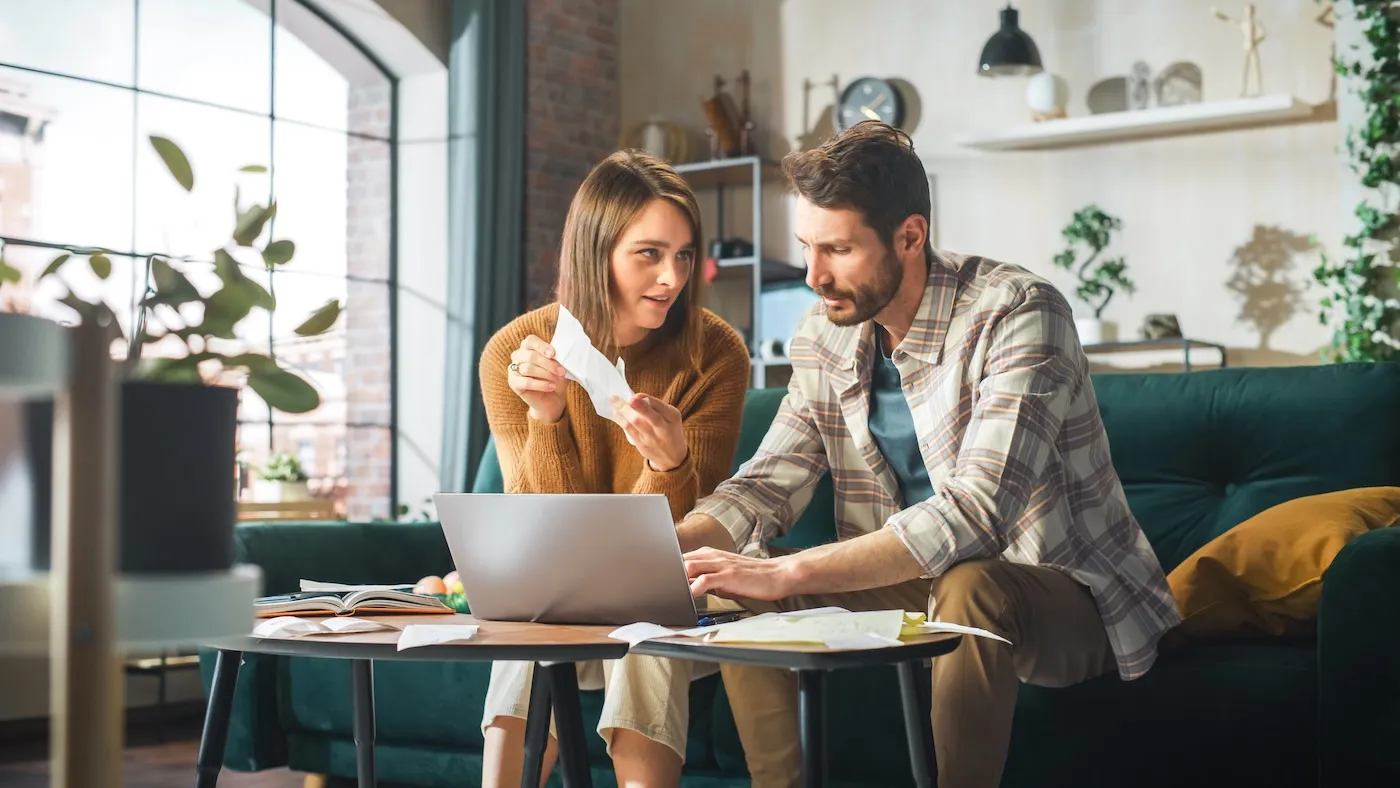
point(294, 627)
point(832, 627)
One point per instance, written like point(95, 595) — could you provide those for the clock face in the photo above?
point(869, 98)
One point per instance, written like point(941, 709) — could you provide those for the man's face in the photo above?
point(848, 264)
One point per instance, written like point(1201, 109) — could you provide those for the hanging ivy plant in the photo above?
point(1360, 304)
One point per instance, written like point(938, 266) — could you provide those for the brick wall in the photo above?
point(367, 382)
point(571, 108)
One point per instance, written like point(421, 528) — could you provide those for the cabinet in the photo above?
point(716, 182)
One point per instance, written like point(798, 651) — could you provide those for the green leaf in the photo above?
point(231, 274)
point(222, 311)
point(250, 224)
point(9, 273)
point(321, 321)
point(175, 161)
point(251, 361)
point(283, 390)
point(54, 265)
point(278, 252)
point(253, 168)
point(101, 265)
point(172, 287)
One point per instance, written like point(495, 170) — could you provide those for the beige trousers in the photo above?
point(1058, 639)
point(649, 695)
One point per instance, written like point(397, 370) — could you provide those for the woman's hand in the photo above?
point(538, 379)
point(654, 427)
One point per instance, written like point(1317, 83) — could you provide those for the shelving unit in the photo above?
point(1154, 122)
point(719, 176)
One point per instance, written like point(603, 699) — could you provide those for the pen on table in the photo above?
point(719, 618)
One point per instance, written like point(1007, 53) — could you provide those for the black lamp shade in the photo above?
point(1009, 51)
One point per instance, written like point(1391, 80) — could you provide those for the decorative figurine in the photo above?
point(1254, 34)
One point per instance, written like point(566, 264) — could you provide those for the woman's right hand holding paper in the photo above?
point(538, 379)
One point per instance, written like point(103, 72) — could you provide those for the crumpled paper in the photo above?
point(587, 366)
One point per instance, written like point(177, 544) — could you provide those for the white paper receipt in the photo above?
point(587, 365)
point(416, 635)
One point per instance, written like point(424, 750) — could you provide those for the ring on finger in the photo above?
point(514, 367)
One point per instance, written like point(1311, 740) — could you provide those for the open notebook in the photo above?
point(348, 602)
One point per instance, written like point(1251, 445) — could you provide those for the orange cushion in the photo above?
point(1263, 578)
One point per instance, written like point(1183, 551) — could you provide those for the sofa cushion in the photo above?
point(1202, 452)
point(1263, 578)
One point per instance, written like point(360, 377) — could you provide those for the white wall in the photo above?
point(1187, 203)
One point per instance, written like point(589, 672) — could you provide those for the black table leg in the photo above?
point(362, 681)
point(536, 728)
point(811, 704)
point(918, 729)
point(568, 721)
point(216, 714)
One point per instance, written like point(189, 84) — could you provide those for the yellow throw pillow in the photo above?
point(1263, 578)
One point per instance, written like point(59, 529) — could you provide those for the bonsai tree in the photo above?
point(283, 467)
point(1098, 279)
point(174, 311)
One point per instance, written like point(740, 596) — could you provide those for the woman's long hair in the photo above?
point(610, 199)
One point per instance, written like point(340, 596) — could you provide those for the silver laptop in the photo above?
point(568, 559)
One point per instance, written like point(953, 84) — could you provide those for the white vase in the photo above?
point(1047, 95)
point(1093, 331)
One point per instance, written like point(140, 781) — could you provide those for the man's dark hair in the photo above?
point(870, 168)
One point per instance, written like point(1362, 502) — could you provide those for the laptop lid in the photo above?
point(567, 559)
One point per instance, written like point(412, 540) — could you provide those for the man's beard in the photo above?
point(868, 299)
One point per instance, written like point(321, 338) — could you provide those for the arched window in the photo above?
point(274, 83)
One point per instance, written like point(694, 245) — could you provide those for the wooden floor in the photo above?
point(155, 756)
point(154, 766)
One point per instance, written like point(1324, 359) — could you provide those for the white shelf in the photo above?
point(152, 611)
point(1136, 124)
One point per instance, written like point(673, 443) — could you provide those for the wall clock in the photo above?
point(869, 98)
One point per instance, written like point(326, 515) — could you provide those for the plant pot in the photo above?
point(1093, 331)
point(175, 477)
point(266, 491)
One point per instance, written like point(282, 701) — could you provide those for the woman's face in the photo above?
point(651, 264)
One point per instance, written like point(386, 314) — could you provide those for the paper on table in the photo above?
point(914, 624)
point(839, 630)
point(586, 365)
point(295, 627)
point(640, 632)
point(416, 635)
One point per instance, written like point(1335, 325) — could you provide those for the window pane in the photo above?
point(322, 79)
point(218, 143)
point(218, 51)
point(254, 446)
point(65, 160)
point(118, 291)
point(310, 167)
point(85, 38)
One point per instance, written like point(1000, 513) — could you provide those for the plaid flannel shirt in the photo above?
point(1010, 434)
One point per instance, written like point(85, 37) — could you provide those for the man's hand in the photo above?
point(733, 576)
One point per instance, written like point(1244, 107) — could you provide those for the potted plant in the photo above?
point(177, 424)
point(1098, 279)
point(281, 480)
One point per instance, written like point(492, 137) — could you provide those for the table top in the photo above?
point(797, 656)
point(505, 640)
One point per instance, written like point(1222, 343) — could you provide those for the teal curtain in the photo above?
point(486, 159)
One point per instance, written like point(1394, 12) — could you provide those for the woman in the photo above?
point(626, 271)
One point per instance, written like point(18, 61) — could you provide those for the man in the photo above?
point(950, 400)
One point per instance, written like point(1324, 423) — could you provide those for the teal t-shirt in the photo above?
point(892, 427)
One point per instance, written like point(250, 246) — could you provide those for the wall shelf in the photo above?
point(1154, 122)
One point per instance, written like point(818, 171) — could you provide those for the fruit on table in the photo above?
point(432, 584)
point(453, 582)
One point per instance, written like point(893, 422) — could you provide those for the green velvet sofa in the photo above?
point(1197, 453)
